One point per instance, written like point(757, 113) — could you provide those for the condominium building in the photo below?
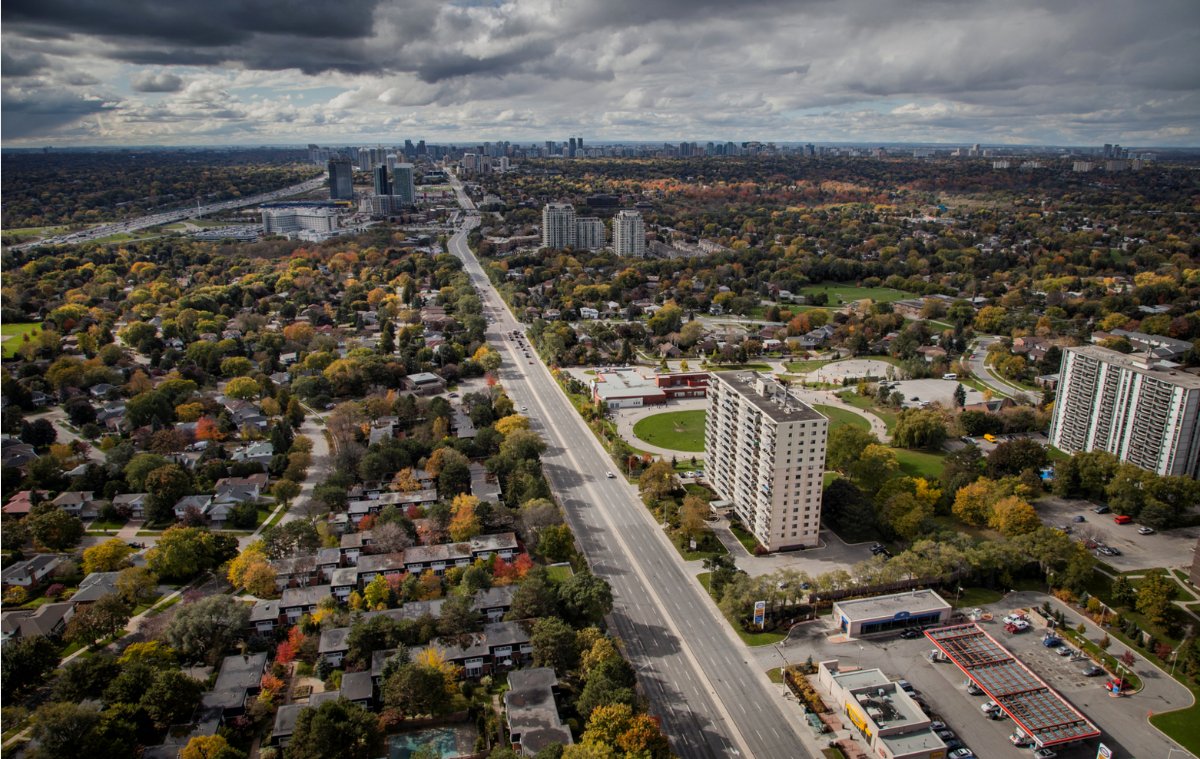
point(765, 453)
point(629, 234)
point(558, 225)
point(402, 183)
point(1139, 409)
point(589, 233)
point(341, 179)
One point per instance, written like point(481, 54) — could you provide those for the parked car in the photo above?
point(953, 743)
point(905, 686)
point(1092, 670)
point(1020, 740)
point(1051, 641)
point(1065, 651)
point(961, 753)
point(1079, 518)
point(945, 735)
point(987, 707)
point(974, 689)
point(1122, 519)
point(1044, 753)
point(1145, 531)
point(1100, 510)
point(910, 634)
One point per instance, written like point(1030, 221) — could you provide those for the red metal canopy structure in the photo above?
point(1035, 707)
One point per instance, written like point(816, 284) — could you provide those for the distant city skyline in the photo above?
point(125, 72)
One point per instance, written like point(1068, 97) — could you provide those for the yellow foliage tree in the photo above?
point(188, 412)
point(109, 556)
point(510, 423)
point(405, 481)
point(465, 523)
point(1014, 516)
point(973, 502)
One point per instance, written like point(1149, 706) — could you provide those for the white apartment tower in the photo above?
point(765, 453)
point(629, 234)
point(558, 225)
point(1128, 405)
point(590, 233)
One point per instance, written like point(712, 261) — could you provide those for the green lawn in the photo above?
point(677, 430)
point(745, 538)
point(920, 463)
point(839, 293)
point(972, 597)
point(559, 572)
point(31, 233)
point(739, 367)
point(858, 401)
point(840, 416)
point(13, 335)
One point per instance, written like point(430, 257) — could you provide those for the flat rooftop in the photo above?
point(1140, 363)
point(887, 607)
point(778, 404)
point(624, 383)
point(1035, 707)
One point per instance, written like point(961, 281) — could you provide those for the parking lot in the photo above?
point(941, 685)
point(1171, 548)
point(925, 391)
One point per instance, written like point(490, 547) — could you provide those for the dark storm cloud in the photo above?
point(22, 64)
point(1057, 70)
point(38, 113)
point(161, 82)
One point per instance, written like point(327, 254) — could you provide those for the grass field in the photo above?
point(842, 294)
point(740, 367)
point(920, 463)
point(866, 404)
point(32, 232)
point(839, 416)
point(559, 572)
point(12, 334)
point(676, 430)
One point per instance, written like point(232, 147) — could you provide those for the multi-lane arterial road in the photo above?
point(698, 676)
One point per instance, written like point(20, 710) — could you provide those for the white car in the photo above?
point(609, 475)
point(987, 707)
point(1145, 531)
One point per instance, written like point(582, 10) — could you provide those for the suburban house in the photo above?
point(31, 571)
point(531, 712)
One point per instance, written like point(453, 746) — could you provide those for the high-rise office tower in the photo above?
point(571, 148)
point(558, 226)
point(629, 234)
point(402, 183)
point(382, 185)
point(341, 179)
point(1130, 406)
point(391, 161)
point(589, 233)
point(364, 159)
point(765, 452)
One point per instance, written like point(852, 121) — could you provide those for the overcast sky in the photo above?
point(1068, 72)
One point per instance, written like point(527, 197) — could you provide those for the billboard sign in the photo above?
point(760, 613)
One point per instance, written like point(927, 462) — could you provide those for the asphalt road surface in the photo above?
point(977, 362)
point(699, 677)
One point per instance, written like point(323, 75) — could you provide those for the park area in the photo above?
point(14, 336)
point(840, 294)
point(674, 430)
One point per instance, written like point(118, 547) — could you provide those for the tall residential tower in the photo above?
point(764, 450)
point(1131, 406)
point(629, 234)
point(341, 179)
point(558, 225)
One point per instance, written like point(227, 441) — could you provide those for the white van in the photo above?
point(950, 376)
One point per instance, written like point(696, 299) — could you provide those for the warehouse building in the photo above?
point(863, 617)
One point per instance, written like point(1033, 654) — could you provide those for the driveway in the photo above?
point(58, 418)
point(830, 555)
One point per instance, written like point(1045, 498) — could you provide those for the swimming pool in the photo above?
point(449, 742)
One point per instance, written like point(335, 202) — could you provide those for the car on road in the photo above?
point(1145, 531)
point(609, 475)
point(524, 408)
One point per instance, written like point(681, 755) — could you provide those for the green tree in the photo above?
point(141, 465)
point(416, 689)
point(136, 584)
point(1122, 592)
point(165, 486)
point(874, 467)
point(95, 621)
point(1015, 456)
point(554, 645)
point(336, 730)
point(919, 428)
point(109, 556)
point(171, 698)
point(184, 552)
point(24, 664)
point(845, 445)
point(204, 629)
point(1154, 598)
point(657, 481)
point(55, 529)
point(242, 388)
point(585, 598)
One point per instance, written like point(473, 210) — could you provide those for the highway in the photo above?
point(170, 217)
point(700, 679)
